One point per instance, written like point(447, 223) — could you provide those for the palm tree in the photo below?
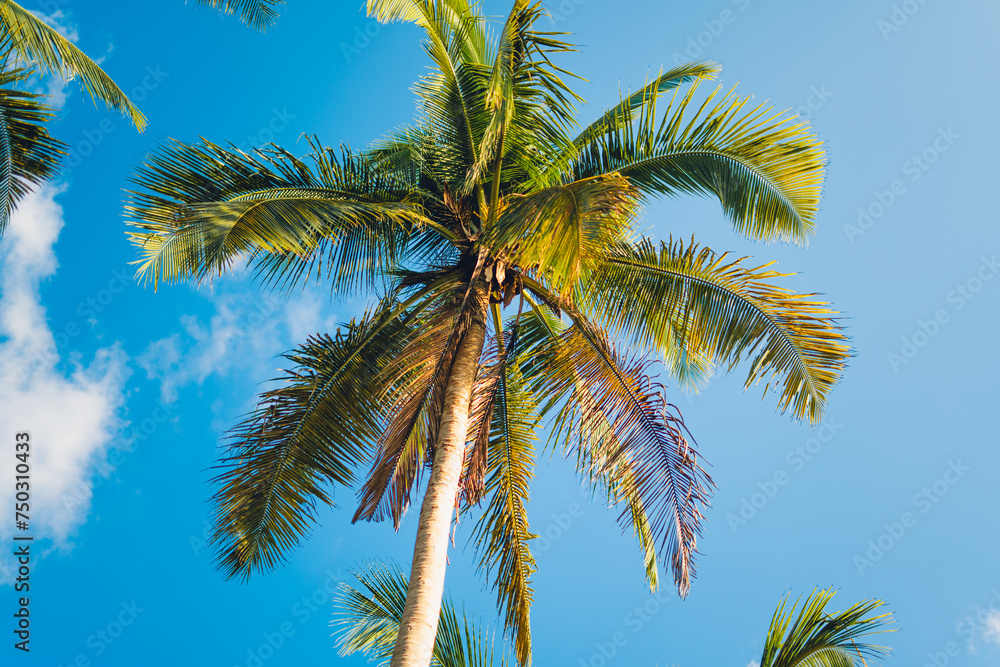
point(369, 618)
point(512, 289)
point(28, 155)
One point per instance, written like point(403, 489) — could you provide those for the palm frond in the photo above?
point(563, 231)
point(611, 120)
point(202, 209)
point(528, 105)
point(611, 412)
point(29, 156)
point(421, 371)
point(818, 638)
point(694, 306)
point(455, 41)
point(765, 168)
point(368, 622)
point(506, 410)
point(42, 45)
point(258, 14)
point(304, 437)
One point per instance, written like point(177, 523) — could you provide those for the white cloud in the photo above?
point(70, 408)
point(991, 628)
point(753, 663)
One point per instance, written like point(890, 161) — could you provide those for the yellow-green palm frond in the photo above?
point(610, 411)
point(305, 437)
point(456, 41)
point(527, 104)
point(201, 209)
point(258, 14)
point(508, 414)
point(765, 168)
point(28, 154)
point(611, 120)
point(42, 45)
point(563, 231)
point(368, 621)
point(694, 306)
point(818, 638)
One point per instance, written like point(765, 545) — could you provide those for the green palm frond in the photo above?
point(563, 231)
point(818, 638)
point(508, 412)
point(527, 103)
point(611, 120)
point(204, 208)
point(694, 306)
point(611, 412)
point(304, 437)
point(28, 155)
point(455, 40)
point(42, 45)
point(368, 620)
point(765, 168)
point(258, 14)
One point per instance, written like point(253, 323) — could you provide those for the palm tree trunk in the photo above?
point(418, 627)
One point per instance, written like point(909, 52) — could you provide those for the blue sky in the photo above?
point(894, 497)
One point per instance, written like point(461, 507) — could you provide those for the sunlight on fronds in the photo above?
point(690, 304)
point(41, 44)
point(765, 168)
point(818, 638)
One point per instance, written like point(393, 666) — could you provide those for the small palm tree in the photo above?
point(368, 619)
point(28, 155)
point(513, 289)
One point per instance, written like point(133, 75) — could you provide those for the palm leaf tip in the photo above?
point(39, 43)
point(766, 169)
point(694, 306)
point(811, 636)
point(258, 14)
point(612, 414)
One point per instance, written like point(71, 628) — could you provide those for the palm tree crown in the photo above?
point(513, 291)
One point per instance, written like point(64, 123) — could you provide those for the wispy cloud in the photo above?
point(239, 341)
point(991, 628)
point(69, 407)
point(53, 86)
